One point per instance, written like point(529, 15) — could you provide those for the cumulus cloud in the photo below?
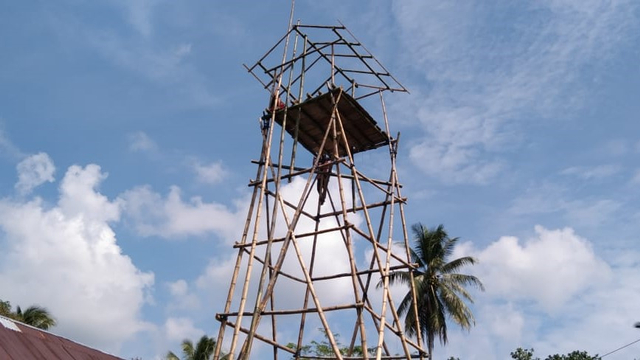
point(491, 68)
point(79, 198)
point(34, 171)
point(552, 281)
point(66, 258)
point(171, 217)
point(549, 269)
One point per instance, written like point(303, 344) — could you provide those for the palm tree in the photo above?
point(440, 290)
point(203, 350)
point(34, 315)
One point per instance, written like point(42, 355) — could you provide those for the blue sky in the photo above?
point(127, 130)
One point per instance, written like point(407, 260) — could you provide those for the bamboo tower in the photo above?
point(320, 236)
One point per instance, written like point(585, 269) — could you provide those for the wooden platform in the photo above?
point(314, 116)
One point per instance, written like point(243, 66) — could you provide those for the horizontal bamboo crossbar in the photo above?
point(271, 267)
point(359, 273)
point(293, 311)
point(257, 336)
point(298, 236)
point(359, 208)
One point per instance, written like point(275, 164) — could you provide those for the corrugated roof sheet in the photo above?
point(22, 342)
point(314, 116)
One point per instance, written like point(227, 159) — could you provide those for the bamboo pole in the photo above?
point(365, 211)
point(302, 311)
point(305, 302)
point(291, 227)
point(315, 298)
point(386, 295)
point(244, 353)
point(348, 241)
point(236, 269)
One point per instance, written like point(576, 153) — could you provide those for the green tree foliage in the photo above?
point(202, 350)
point(5, 308)
point(527, 354)
point(323, 348)
point(523, 354)
point(34, 315)
point(440, 289)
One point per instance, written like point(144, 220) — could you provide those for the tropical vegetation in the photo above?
point(441, 291)
point(323, 348)
point(34, 315)
point(202, 350)
point(527, 354)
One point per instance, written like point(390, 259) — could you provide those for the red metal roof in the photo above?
point(23, 342)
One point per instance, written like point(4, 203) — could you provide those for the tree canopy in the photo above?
point(527, 354)
point(34, 315)
point(441, 291)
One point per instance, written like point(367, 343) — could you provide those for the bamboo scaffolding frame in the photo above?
point(283, 239)
point(300, 311)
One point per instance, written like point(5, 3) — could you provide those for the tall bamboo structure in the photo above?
point(320, 236)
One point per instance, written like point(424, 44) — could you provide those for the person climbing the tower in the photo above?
point(322, 177)
point(275, 104)
point(265, 121)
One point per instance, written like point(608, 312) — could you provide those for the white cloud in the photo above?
point(167, 66)
point(463, 164)
point(592, 173)
point(180, 328)
point(212, 173)
point(34, 171)
point(66, 258)
point(7, 148)
point(171, 217)
point(139, 14)
point(592, 214)
point(489, 72)
point(552, 293)
point(79, 198)
point(182, 297)
point(550, 269)
point(140, 141)
point(548, 199)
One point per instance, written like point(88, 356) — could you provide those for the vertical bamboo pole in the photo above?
point(349, 241)
point(386, 293)
point(294, 148)
point(269, 290)
point(303, 316)
point(314, 296)
point(364, 207)
point(246, 350)
point(236, 269)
